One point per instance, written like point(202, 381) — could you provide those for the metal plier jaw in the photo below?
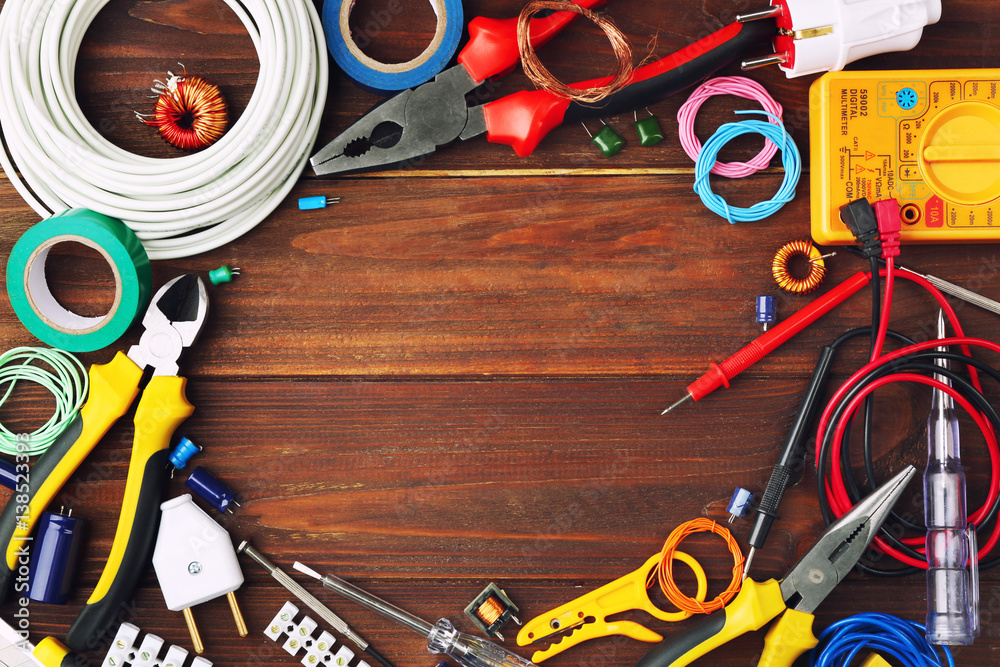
point(172, 323)
point(405, 127)
point(842, 545)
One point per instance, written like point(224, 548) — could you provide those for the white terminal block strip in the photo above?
point(319, 650)
point(829, 34)
point(123, 651)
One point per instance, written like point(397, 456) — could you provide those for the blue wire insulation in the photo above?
point(888, 635)
point(790, 158)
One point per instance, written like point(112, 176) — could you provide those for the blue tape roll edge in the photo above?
point(383, 78)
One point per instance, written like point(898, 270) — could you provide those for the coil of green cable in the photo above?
point(67, 381)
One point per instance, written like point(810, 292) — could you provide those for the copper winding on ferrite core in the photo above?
point(782, 274)
point(490, 611)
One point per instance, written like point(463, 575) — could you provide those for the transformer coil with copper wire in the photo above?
point(190, 113)
point(491, 610)
point(781, 269)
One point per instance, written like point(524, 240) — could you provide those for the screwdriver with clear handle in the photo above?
point(442, 637)
point(952, 578)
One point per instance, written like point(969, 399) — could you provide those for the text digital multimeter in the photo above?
point(929, 138)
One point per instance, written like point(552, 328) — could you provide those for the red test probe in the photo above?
point(719, 375)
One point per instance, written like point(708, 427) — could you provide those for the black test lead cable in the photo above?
point(788, 470)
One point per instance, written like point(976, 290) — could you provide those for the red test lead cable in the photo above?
point(719, 375)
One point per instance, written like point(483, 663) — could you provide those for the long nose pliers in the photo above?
point(415, 122)
point(171, 324)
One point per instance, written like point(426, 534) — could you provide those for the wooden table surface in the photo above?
point(456, 375)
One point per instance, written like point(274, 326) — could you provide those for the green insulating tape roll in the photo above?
point(32, 298)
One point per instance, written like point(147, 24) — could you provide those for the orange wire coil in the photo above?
point(664, 572)
point(782, 273)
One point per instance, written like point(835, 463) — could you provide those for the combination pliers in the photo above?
point(415, 122)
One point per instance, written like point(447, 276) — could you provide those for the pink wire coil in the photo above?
point(728, 85)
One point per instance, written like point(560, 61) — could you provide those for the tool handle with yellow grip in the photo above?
point(53, 653)
point(113, 387)
point(161, 409)
point(789, 638)
point(756, 604)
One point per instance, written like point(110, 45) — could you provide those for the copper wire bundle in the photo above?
point(541, 76)
point(664, 571)
point(781, 271)
point(190, 113)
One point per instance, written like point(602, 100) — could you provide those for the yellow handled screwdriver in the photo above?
point(797, 595)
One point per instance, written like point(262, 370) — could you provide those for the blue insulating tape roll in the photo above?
point(383, 77)
point(40, 312)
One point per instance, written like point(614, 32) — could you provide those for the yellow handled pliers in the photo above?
point(797, 595)
point(171, 324)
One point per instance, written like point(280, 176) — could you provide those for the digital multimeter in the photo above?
point(929, 138)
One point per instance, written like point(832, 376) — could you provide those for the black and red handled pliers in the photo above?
point(415, 122)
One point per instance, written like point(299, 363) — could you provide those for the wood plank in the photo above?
point(425, 491)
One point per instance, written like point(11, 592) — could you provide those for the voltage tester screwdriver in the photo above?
point(442, 637)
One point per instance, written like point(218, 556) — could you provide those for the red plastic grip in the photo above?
point(719, 375)
point(492, 48)
point(523, 119)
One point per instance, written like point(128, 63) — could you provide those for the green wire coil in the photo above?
point(67, 381)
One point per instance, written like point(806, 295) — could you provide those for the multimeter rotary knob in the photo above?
point(959, 153)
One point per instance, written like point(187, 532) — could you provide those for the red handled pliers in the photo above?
point(415, 122)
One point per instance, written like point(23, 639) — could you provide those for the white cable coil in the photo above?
point(177, 206)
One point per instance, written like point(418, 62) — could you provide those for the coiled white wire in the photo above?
point(178, 206)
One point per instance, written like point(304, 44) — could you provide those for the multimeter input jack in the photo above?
point(910, 214)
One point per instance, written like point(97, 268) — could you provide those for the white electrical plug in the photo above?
point(825, 35)
point(195, 562)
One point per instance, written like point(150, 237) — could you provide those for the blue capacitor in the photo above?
point(211, 490)
point(8, 474)
point(183, 451)
point(54, 557)
point(739, 504)
point(317, 202)
point(765, 310)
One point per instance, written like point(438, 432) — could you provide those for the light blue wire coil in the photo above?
point(790, 158)
point(882, 633)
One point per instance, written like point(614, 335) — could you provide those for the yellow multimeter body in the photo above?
point(928, 138)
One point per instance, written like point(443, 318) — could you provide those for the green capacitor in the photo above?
point(649, 131)
point(609, 141)
point(223, 274)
